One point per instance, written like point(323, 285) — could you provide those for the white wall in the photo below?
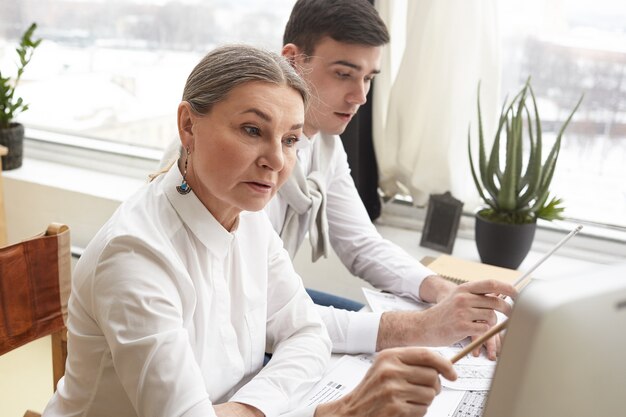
point(30, 207)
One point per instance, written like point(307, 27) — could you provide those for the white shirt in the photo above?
point(359, 246)
point(170, 313)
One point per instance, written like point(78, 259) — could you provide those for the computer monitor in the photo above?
point(564, 354)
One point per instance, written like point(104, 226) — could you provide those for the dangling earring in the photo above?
point(184, 188)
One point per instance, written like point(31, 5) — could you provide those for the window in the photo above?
point(571, 47)
point(115, 69)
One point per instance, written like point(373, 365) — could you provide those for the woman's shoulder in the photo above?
point(142, 223)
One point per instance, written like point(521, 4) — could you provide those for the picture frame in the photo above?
point(442, 222)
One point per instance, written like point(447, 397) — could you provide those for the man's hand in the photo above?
point(401, 382)
point(464, 310)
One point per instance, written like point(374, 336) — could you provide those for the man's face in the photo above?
point(339, 75)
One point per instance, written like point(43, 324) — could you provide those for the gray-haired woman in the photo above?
point(178, 295)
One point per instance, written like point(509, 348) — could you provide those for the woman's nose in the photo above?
point(273, 157)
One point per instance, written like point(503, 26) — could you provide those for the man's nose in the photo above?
point(358, 95)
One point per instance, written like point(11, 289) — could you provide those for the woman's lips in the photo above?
point(260, 187)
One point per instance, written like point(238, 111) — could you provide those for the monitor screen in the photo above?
point(564, 353)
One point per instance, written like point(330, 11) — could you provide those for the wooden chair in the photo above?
point(3, 226)
point(34, 289)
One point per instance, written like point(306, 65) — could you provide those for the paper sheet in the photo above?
point(380, 302)
point(346, 374)
point(451, 403)
point(474, 373)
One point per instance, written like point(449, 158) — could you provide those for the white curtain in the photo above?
point(425, 96)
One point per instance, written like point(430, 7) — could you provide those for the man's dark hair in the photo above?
point(350, 21)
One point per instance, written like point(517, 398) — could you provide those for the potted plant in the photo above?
point(11, 132)
point(514, 184)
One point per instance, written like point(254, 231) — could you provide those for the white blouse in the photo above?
point(358, 244)
point(170, 313)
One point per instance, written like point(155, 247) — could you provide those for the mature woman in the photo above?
point(178, 296)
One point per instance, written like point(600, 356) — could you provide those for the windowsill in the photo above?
point(592, 243)
point(80, 180)
point(88, 166)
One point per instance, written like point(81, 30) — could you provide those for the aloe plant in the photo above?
point(10, 105)
point(516, 190)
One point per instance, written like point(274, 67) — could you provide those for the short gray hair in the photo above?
point(223, 69)
point(227, 67)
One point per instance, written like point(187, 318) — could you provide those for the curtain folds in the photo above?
point(425, 96)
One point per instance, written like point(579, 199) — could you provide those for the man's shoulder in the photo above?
point(329, 146)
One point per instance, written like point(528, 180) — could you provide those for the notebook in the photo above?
point(460, 270)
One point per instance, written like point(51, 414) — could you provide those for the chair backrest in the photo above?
point(3, 226)
point(34, 290)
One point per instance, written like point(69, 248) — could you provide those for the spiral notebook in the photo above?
point(460, 270)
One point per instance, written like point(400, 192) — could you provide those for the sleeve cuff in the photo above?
point(362, 332)
point(269, 400)
point(201, 409)
point(413, 281)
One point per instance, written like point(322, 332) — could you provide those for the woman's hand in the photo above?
point(401, 382)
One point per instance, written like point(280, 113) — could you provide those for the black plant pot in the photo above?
point(503, 244)
point(13, 139)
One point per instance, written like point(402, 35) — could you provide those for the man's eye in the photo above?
point(252, 131)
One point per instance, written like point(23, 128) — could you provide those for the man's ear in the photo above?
point(291, 52)
point(186, 119)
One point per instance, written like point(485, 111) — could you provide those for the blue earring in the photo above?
point(184, 188)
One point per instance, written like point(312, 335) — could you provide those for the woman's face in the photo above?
point(244, 149)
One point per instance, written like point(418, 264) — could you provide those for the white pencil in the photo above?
point(547, 255)
point(502, 325)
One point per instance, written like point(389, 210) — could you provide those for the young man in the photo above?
point(336, 45)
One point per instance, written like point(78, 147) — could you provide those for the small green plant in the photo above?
point(10, 105)
point(517, 190)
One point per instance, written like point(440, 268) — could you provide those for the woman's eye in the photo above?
point(291, 141)
point(252, 131)
point(343, 74)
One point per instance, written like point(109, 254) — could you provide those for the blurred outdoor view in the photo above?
point(115, 69)
point(570, 47)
